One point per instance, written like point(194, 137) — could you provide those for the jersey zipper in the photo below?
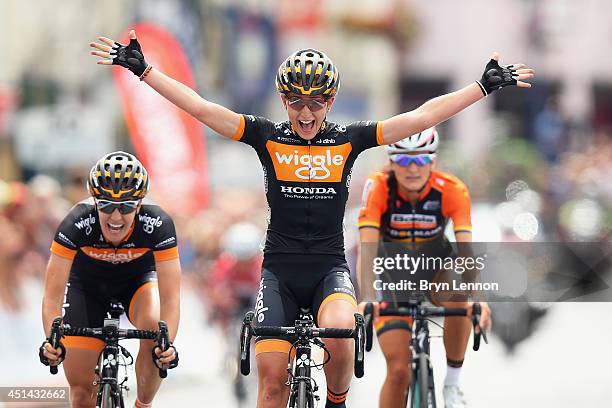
point(309, 198)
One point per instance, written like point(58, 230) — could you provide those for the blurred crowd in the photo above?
point(31, 211)
point(569, 196)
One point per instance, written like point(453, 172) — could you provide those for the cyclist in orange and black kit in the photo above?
point(112, 246)
point(307, 163)
point(410, 204)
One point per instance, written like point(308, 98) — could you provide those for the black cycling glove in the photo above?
point(496, 77)
point(41, 353)
point(129, 56)
point(173, 363)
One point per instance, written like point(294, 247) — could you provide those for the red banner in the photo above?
point(168, 141)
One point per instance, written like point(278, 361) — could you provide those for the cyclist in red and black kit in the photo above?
point(117, 246)
point(307, 163)
point(233, 279)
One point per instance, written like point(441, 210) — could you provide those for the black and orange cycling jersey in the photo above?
point(79, 238)
point(443, 197)
point(307, 181)
point(101, 271)
point(307, 186)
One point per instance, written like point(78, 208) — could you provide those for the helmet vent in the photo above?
point(119, 176)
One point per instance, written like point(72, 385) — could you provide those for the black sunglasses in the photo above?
point(125, 207)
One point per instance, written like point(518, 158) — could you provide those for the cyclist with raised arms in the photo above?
point(307, 162)
point(409, 204)
point(113, 246)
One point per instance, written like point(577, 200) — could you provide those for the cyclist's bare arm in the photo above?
point(443, 107)
point(463, 236)
point(58, 270)
point(169, 282)
point(366, 251)
point(220, 119)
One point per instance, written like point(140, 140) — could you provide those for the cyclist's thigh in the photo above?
point(275, 305)
point(272, 376)
point(394, 337)
point(447, 297)
point(334, 301)
point(83, 307)
point(79, 367)
point(273, 364)
point(140, 297)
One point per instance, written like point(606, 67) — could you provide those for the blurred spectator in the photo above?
point(74, 189)
point(550, 130)
point(233, 280)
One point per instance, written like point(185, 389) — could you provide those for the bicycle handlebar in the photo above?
point(368, 314)
point(418, 311)
point(103, 333)
point(476, 311)
point(54, 339)
point(163, 342)
point(310, 332)
point(109, 332)
point(249, 330)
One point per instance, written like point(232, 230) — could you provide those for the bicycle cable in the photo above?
point(326, 357)
point(326, 354)
point(437, 324)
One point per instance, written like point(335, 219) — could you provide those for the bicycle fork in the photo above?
point(303, 387)
point(422, 372)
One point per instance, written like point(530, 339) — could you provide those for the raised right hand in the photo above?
point(129, 56)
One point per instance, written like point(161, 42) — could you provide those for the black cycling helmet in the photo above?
point(118, 176)
point(308, 72)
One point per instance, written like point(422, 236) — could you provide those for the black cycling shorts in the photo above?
point(87, 302)
point(293, 282)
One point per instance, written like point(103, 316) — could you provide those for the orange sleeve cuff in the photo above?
point(463, 228)
point(371, 224)
point(166, 254)
point(62, 251)
point(240, 131)
point(379, 134)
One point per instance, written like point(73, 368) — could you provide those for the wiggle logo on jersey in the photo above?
point(149, 223)
point(304, 163)
point(114, 256)
point(86, 223)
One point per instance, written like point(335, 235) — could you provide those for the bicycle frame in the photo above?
point(422, 370)
point(422, 391)
point(108, 366)
point(303, 386)
point(110, 390)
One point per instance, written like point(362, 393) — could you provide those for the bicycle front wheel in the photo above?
point(107, 399)
point(302, 395)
